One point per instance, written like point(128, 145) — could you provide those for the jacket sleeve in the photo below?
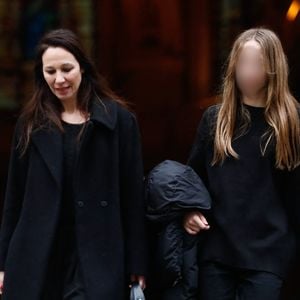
point(13, 196)
point(133, 203)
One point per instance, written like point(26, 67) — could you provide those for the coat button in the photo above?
point(80, 203)
point(103, 203)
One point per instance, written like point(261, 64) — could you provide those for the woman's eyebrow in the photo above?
point(48, 67)
point(63, 65)
point(67, 65)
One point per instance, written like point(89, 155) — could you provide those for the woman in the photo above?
point(247, 151)
point(73, 222)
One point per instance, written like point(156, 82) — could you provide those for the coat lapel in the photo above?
point(104, 112)
point(50, 145)
point(49, 142)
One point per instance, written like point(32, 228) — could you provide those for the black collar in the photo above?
point(104, 112)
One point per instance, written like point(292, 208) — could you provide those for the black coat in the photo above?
point(109, 207)
point(172, 190)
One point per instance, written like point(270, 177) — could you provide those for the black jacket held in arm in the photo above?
point(172, 190)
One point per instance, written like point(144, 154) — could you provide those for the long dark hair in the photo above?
point(44, 108)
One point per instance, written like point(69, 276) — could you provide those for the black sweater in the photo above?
point(250, 220)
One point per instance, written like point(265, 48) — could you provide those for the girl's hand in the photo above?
point(194, 222)
point(140, 279)
point(1, 282)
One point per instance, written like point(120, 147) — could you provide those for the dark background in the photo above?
point(165, 57)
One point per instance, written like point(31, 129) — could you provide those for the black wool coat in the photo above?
point(109, 207)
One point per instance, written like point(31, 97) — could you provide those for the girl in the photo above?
point(73, 223)
point(247, 151)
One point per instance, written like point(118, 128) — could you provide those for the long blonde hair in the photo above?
point(281, 111)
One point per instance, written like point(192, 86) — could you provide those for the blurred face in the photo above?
point(250, 70)
point(62, 73)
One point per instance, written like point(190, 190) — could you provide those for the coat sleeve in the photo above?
point(133, 203)
point(13, 196)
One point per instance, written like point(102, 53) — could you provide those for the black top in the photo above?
point(69, 251)
point(64, 272)
point(70, 151)
point(249, 221)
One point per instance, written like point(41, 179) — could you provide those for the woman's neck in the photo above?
point(72, 114)
point(257, 100)
point(69, 105)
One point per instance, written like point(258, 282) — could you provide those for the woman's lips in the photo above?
point(62, 89)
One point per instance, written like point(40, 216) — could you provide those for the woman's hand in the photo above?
point(194, 222)
point(1, 282)
point(140, 279)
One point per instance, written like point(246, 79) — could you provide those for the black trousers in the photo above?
point(66, 285)
point(64, 280)
point(220, 282)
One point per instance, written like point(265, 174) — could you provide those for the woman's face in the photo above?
point(250, 69)
point(62, 73)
